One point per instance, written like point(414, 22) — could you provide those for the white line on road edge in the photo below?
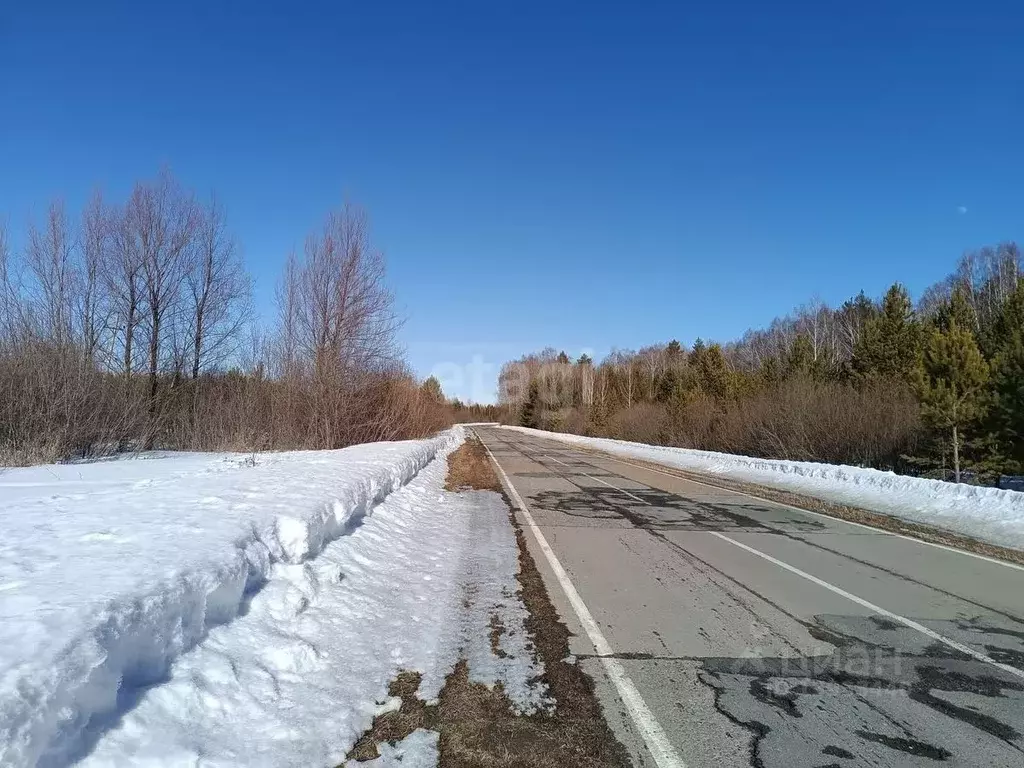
point(875, 608)
point(658, 744)
point(598, 479)
point(986, 558)
point(838, 590)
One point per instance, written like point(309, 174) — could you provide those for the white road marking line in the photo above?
point(874, 608)
point(881, 531)
point(654, 736)
point(598, 479)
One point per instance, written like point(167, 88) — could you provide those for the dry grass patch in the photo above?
point(469, 468)
point(497, 630)
point(478, 727)
point(395, 726)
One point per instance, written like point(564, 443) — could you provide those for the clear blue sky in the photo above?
point(580, 175)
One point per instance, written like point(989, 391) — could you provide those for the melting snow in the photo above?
point(193, 607)
point(417, 750)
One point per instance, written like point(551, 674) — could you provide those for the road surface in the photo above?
point(725, 630)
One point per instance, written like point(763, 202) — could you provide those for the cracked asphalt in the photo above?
point(746, 663)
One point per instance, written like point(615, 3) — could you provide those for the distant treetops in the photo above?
point(958, 356)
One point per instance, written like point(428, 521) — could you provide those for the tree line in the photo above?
point(934, 389)
point(130, 325)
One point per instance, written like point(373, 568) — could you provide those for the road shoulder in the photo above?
point(478, 726)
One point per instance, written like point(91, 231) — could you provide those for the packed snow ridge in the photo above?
point(987, 514)
point(245, 610)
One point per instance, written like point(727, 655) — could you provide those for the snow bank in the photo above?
point(111, 571)
point(298, 678)
point(988, 514)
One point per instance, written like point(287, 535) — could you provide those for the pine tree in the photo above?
point(959, 310)
point(951, 383)
point(1007, 414)
point(431, 388)
point(1008, 407)
point(676, 405)
point(770, 372)
point(713, 372)
point(697, 353)
point(671, 377)
point(891, 341)
point(528, 415)
point(667, 383)
point(858, 310)
point(801, 358)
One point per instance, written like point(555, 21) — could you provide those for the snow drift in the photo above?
point(300, 676)
point(111, 573)
point(987, 514)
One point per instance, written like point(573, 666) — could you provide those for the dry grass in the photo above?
point(395, 726)
point(469, 468)
point(477, 726)
point(497, 630)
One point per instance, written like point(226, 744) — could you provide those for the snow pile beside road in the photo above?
point(178, 606)
point(988, 514)
point(299, 677)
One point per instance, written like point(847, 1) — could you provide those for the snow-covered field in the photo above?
point(987, 514)
point(163, 609)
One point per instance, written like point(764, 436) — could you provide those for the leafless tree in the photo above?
point(124, 281)
point(601, 386)
point(92, 306)
point(988, 277)
point(217, 291)
point(513, 382)
point(9, 304)
point(49, 258)
point(112, 337)
point(345, 312)
point(652, 360)
point(586, 385)
point(287, 337)
point(339, 310)
point(817, 321)
point(624, 366)
point(161, 219)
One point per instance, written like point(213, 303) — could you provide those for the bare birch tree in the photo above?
point(161, 220)
point(123, 276)
point(652, 360)
point(9, 304)
point(217, 291)
point(49, 259)
point(342, 315)
point(92, 305)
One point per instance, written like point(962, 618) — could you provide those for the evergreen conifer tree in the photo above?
point(1007, 414)
point(713, 372)
point(891, 341)
point(431, 388)
point(801, 357)
point(528, 416)
point(951, 383)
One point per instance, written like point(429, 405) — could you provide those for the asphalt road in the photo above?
point(732, 631)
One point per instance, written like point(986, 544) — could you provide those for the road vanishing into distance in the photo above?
point(726, 630)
